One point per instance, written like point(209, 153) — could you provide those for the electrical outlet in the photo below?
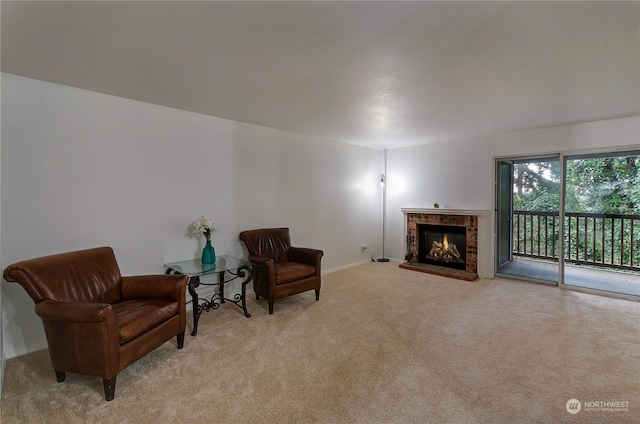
point(364, 246)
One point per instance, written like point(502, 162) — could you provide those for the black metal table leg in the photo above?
point(221, 280)
point(242, 271)
point(193, 283)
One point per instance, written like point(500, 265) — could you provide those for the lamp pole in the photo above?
point(383, 179)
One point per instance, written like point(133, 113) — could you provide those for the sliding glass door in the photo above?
point(602, 222)
point(527, 211)
point(571, 220)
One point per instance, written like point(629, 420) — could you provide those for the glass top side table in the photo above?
point(227, 268)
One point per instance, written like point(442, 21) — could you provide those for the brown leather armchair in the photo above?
point(280, 270)
point(96, 321)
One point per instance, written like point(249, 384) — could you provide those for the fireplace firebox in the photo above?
point(442, 245)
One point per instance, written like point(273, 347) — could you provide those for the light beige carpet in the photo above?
point(383, 345)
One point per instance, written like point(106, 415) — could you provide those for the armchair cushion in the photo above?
point(136, 317)
point(291, 271)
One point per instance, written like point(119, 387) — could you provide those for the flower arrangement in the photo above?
point(204, 227)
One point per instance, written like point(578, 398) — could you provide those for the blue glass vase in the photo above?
point(208, 254)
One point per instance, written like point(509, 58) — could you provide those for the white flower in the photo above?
point(204, 227)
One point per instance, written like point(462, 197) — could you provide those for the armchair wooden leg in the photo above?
point(271, 307)
point(257, 296)
point(180, 339)
point(317, 294)
point(60, 376)
point(109, 387)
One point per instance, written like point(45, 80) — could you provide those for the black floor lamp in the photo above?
point(383, 182)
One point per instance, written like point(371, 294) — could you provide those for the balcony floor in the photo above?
point(580, 276)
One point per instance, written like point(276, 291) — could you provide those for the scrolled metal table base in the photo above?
point(201, 305)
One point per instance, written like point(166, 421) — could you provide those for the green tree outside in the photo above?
point(601, 186)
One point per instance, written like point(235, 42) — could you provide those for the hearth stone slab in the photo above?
point(441, 270)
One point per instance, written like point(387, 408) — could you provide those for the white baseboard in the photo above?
point(329, 271)
point(2, 367)
point(27, 350)
point(362, 262)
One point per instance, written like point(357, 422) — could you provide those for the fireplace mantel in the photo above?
point(485, 255)
point(443, 211)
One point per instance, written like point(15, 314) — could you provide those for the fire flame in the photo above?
point(444, 251)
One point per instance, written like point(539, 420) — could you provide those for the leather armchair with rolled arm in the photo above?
point(96, 321)
point(280, 270)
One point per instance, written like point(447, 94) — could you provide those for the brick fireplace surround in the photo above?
point(454, 217)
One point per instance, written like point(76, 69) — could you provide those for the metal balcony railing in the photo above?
point(602, 240)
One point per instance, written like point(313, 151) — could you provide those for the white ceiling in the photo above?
point(376, 74)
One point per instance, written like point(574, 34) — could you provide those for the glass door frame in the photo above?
point(500, 255)
point(512, 160)
point(562, 156)
point(586, 154)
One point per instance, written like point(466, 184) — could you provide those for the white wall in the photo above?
point(82, 169)
point(460, 175)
